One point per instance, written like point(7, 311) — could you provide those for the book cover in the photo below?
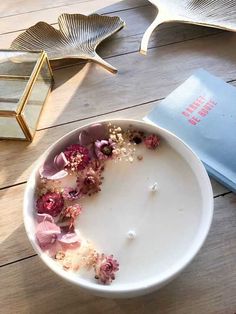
point(202, 112)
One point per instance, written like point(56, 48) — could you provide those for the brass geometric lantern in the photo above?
point(25, 81)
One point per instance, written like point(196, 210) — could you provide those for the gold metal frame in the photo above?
point(27, 92)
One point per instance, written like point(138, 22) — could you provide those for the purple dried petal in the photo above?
point(44, 217)
point(46, 233)
point(51, 172)
point(95, 132)
point(55, 169)
point(68, 238)
point(60, 161)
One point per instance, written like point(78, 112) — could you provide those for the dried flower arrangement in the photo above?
point(57, 206)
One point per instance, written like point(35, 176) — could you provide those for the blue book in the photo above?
point(202, 112)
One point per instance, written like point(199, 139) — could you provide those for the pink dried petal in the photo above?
point(46, 233)
point(69, 241)
point(60, 161)
point(44, 217)
point(50, 173)
point(95, 132)
point(68, 238)
point(54, 248)
point(54, 170)
point(58, 175)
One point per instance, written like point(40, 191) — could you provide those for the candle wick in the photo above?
point(154, 187)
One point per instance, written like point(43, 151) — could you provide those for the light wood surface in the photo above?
point(85, 93)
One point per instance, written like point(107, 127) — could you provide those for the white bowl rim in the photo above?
point(145, 286)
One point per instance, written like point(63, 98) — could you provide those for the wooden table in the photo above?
point(85, 93)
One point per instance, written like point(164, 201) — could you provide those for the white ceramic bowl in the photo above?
point(169, 234)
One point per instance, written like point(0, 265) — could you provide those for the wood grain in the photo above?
point(206, 286)
point(140, 79)
point(14, 242)
point(128, 14)
point(18, 7)
point(17, 23)
point(133, 32)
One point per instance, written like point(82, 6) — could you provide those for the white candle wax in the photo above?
point(163, 224)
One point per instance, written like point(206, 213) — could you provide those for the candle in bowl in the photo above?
point(143, 210)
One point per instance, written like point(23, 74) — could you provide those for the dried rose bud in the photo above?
point(89, 181)
point(105, 268)
point(68, 215)
point(71, 194)
point(77, 156)
point(152, 141)
point(50, 203)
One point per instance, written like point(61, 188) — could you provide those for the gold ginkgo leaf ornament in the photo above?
point(78, 37)
point(212, 13)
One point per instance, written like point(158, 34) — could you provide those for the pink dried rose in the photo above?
point(152, 141)
point(69, 215)
point(71, 194)
point(55, 169)
point(50, 203)
point(46, 233)
point(77, 156)
point(104, 149)
point(89, 182)
point(105, 268)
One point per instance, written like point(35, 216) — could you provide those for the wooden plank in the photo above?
point(218, 189)
point(88, 90)
point(145, 16)
point(15, 23)
point(18, 7)
point(128, 40)
point(14, 242)
point(208, 285)
point(11, 198)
